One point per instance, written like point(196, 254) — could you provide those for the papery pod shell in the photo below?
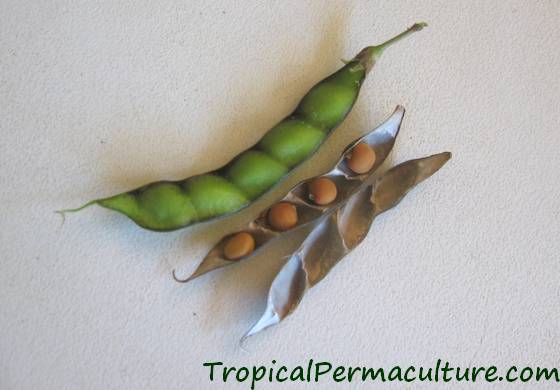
point(338, 233)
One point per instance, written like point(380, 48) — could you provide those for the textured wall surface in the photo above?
point(99, 96)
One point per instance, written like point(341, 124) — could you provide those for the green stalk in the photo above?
point(371, 54)
point(416, 27)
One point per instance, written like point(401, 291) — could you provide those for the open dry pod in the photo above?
point(301, 205)
point(337, 233)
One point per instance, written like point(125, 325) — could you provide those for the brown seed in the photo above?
point(322, 191)
point(282, 216)
point(361, 158)
point(239, 245)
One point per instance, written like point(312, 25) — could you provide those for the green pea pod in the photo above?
point(170, 205)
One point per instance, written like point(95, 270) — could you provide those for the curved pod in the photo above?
point(170, 205)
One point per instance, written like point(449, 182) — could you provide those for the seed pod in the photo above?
point(170, 205)
point(338, 233)
point(322, 191)
point(347, 182)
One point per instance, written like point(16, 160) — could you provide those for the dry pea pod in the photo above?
point(339, 232)
point(347, 182)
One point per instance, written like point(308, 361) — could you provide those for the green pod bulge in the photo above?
point(330, 101)
point(213, 195)
point(291, 141)
point(168, 205)
point(255, 172)
point(157, 206)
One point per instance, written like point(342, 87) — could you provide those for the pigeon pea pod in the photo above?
point(170, 205)
point(337, 233)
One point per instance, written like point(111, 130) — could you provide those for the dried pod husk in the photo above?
point(381, 139)
point(339, 232)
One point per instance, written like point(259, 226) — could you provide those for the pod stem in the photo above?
point(371, 54)
point(415, 27)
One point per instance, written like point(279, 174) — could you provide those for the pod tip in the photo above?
point(63, 212)
point(419, 26)
point(174, 274)
point(399, 110)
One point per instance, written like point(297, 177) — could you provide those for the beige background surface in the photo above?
point(97, 97)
